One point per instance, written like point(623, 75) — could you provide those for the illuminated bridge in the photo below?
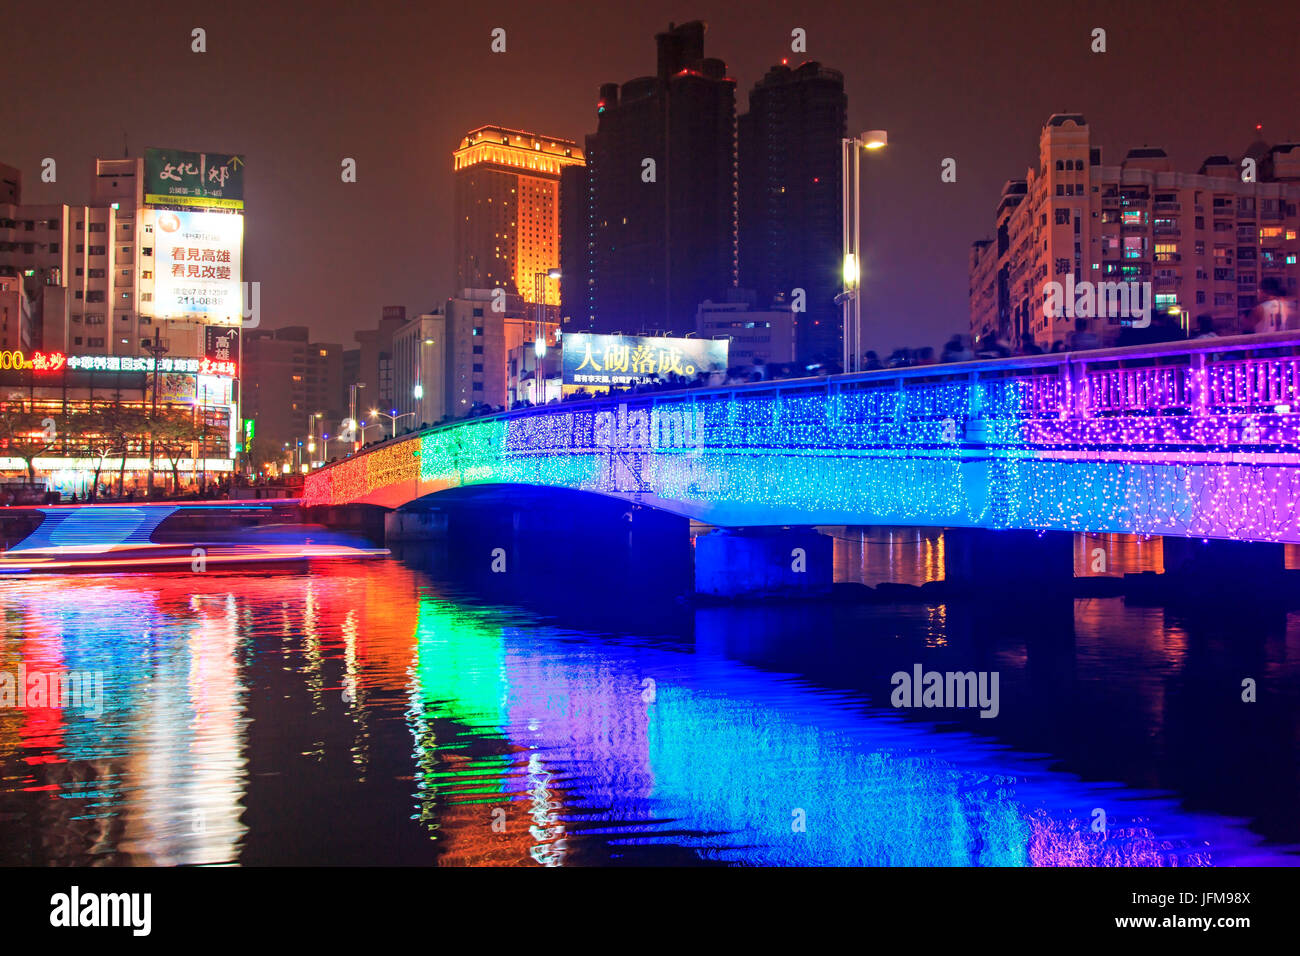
point(1193, 439)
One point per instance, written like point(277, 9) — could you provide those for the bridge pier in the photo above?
point(1028, 564)
point(404, 526)
point(365, 520)
point(1197, 566)
point(793, 562)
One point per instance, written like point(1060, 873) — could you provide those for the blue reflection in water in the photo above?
point(357, 713)
point(646, 745)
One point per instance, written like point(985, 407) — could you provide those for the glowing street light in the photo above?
point(851, 271)
point(851, 206)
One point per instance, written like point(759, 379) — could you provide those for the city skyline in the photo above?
point(918, 85)
point(644, 437)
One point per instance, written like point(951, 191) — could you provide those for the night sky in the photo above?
point(297, 88)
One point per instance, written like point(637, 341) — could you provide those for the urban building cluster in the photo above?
point(1112, 254)
point(676, 218)
point(119, 327)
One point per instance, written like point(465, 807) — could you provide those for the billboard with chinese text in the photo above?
point(177, 177)
point(605, 360)
point(197, 266)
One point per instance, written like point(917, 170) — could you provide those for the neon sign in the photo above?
point(12, 360)
point(209, 366)
point(39, 362)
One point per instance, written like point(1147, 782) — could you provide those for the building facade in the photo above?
point(292, 389)
point(661, 192)
point(790, 203)
point(373, 362)
point(1211, 250)
point(758, 336)
point(483, 327)
point(507, 189)
point(79, 318)
point(420, 368)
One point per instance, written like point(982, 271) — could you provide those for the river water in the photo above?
point(390, 712)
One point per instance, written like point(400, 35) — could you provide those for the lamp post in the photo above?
point(851, 207)
point(158, 348)
point(314, 420)
point(352, 409)
point(418, 391)
point(394, 418)
point(539, 341)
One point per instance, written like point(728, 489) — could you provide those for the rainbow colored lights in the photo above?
point(1183, 439)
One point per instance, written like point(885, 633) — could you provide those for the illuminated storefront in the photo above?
point(81, 421)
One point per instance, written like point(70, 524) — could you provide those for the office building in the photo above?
point(292, 392)
point(661, 192)
point(480, 338)
point(507, 230)
point(374, 362)
point(420, 369)
point(790, 202)
point(758, 336)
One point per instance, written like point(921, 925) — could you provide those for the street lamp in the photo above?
point(539, 341)
point(418, 391)
point(352, 407)
point(157, 348)
point(394, 417)
point(851, 206)
point(311, 440)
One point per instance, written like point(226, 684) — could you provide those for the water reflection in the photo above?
point(369, 713)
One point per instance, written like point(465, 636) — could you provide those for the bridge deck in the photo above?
point(1189, 438)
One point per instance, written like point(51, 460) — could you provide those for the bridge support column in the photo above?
point(763, 563)
point(1004, 564)
point(415, 526)
point(1213, 567)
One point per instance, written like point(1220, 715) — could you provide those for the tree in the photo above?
point(25, 432)
point(117, 425)
point(176, 432)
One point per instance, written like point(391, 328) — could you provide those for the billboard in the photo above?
point(221, 344)
point(604, 360)
point(177, 177)
point(197, 266)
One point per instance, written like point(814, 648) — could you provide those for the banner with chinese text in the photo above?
point(176, 177)
point(197, 266)
point(604, 360)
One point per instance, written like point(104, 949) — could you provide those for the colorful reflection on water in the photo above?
point(362, 713)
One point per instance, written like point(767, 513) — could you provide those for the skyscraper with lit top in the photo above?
point(508, 209)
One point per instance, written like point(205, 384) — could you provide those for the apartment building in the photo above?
point(293, 390)
point(1218, 247)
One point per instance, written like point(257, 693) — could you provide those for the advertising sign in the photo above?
point(221, 343)
point(177, 177)
point(603, 360)
point(197, 266)
point(174, 387)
